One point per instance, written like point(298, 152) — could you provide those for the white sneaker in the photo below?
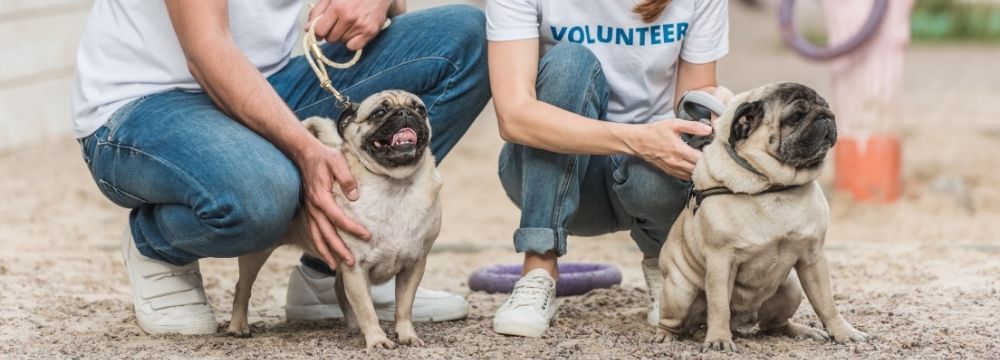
point(312, 296)
point(530, 307)
point(167, 298)
point(654, 283)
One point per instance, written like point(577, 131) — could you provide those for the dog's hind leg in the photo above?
point(407, 282)
point(676, 299)
point(356, 286)
point(250, 265)
point(776, 312)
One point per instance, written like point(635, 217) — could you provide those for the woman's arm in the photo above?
point(523, 119)
point(240, 90)
point(691, 76)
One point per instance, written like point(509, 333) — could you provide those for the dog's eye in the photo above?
point(421, 111)
point(795, 118)
point(379, 114)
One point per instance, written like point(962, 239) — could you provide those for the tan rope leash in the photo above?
point(318, 62)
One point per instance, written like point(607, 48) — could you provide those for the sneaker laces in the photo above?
point(531, 292)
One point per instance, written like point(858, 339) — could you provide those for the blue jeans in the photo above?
point(585, 195)
point(200, 184)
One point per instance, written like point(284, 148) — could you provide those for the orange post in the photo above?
point(867, 84)
point(869, 169)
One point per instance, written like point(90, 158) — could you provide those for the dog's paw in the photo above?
point(801, 332)
point(380, 342)
point(720, 344)
point(411, 341)
point(815, 334)
point(238, 331)
point(850, 334)
point(662, 336)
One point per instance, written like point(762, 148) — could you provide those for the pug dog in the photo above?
point(386, 143)
point(756, 214)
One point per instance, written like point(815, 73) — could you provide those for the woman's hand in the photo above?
point(659, 143)
point(354, 22)
point(322, 167)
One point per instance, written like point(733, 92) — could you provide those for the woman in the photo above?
point(584, 93)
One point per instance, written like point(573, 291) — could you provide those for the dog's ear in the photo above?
point(746, 118)
point(346, 117)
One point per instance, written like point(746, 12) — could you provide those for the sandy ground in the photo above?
point(920, 275)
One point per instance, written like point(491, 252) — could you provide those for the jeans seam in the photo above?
point(169, 165)
point(563, 189)
point(328, 97)
point(121, 115)
point(570, 167)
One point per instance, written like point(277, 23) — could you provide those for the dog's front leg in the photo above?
point(407, 282)
point(719, 277)
point(815, 279)
point(250, 265)
point(359, 296)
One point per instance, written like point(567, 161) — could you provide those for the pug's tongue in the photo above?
point(404, 135)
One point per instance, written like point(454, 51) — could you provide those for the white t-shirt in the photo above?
point(129, 50)
point(639, 59)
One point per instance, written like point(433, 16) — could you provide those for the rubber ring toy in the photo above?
point(574, 278)
point(786, 13)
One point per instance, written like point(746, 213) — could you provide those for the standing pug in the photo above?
point(756, 214)
point(386, 146)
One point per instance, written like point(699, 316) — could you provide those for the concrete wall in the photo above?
point(38, 40)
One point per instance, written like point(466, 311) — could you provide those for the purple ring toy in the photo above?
point(574, 278)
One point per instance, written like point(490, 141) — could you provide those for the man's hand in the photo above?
point(660, 144)
point(239, 89)
point(321, 168)
point(354, 22)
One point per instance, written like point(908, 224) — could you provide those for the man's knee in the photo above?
point(570, 76)
point(255, 212)
point(648, 193)
point(467, 22)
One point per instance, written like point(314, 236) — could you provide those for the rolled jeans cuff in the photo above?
point(540, 240)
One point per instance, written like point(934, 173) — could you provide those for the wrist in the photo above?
point(627, 138)
point(301, 147)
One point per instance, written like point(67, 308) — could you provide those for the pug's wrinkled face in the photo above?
point(789, 122)
point(390, 131)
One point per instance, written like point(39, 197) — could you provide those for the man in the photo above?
point(187, 112)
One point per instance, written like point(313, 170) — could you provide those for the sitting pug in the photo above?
point(385, 142)
point(756, 214)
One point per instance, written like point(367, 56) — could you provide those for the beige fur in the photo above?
point(730, 264)
point(401, 209)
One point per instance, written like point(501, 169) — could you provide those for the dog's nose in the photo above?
point(831, 130)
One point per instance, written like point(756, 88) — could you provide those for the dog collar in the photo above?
point(700, 195)
point(743, 163)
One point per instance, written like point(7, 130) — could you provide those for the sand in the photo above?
point(920, 275)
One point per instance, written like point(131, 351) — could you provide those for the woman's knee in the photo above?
point(570, 77)
point(648, 193)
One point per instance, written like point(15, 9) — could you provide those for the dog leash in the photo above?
point(318, 62)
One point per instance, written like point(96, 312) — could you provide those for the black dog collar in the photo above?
point(700, 195)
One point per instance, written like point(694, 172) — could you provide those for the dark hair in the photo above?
point(649, 10)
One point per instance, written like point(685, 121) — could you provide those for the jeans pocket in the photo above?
point(619, 173)
point(118, 196)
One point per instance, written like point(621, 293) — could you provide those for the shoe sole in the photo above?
point(520, 329)
point(201, 329)
point(324, 312)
